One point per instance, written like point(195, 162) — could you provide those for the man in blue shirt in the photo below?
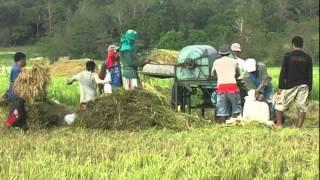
point(17, 111)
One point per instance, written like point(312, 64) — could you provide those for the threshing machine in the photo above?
point(192, 77)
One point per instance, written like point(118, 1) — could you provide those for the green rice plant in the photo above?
point(215, 152)
point(275, 71)
point(61, 92)
point(3, 84)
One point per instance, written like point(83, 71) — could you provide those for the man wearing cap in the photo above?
point(235, 52)
point(111, 70)
point(129, 60)
point(113, 66)
point(256, 78)
point(228, 93)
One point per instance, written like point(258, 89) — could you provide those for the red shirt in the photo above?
point(111, 59)
point(227, 88)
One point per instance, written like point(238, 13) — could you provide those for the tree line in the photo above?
point(84, 28)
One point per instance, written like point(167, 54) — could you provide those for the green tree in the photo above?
point(171, 40)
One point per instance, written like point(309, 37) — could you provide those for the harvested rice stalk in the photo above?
point(131, 110)
point(163, 56)
point(32, 83)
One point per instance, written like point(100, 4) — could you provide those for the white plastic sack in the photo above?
point(69, 118)
point(107, 88)
point(256, 110)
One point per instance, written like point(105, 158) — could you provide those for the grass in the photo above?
point(212, 152)
point(275, 71)
point(216, 152)
point(6, 54)
point(61, 92)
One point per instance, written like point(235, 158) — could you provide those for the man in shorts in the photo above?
point(295, 82)
point(228, 93)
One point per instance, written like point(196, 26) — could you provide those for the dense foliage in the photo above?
point(84, 28)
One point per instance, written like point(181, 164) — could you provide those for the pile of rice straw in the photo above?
point(163, 56)
point(134, 110)
point(67, 67)
point(32, 83)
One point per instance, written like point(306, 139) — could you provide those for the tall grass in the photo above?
point(63, 93)
point(216, 152)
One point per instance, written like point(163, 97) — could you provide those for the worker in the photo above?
point(256, 78)
point(235, 53)
point(88, 81)
point(295, 82)
point(110, 70)
point(17, 112)
point(129, 60)
point(112, 63)
point(102, 75)
point(225, 69)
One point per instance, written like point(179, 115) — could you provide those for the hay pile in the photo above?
point(163, 56)
point(32, 83)
point(67, 67)
point(130, 110)
point(44, 114)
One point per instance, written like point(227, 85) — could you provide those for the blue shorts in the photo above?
point(225, 101)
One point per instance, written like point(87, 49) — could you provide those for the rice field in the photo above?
point(215, 152)
point(241, 152)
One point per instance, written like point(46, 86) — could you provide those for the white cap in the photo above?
point(235, 47)
point(112, 47)
point(250, 65)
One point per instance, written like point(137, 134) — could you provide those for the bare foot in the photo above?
point(277, 126)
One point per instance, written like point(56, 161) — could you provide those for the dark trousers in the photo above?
point(18, 104)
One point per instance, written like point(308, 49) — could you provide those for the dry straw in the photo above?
point(32, 83)
point(163, 56)
point(136, 109)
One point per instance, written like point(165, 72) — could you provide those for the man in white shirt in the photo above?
point(88, 81)
point(235, 52)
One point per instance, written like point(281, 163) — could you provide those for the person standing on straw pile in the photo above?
point(111, 70)
point(129, 60)
point(88, 81)
point(113, 65)
point(17, 112)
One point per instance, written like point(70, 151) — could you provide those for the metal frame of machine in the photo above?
point(191, 86)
